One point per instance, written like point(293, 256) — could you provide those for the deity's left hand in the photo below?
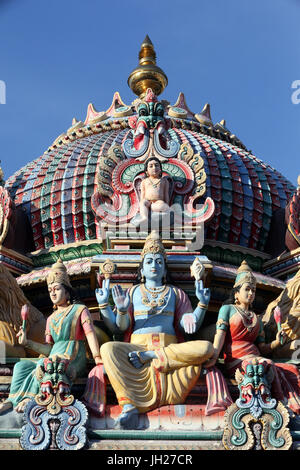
point(189, 323)
point(281, 338)
point(203, 295)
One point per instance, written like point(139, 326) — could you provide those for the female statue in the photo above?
point(66, 330)
point(240, 333)
point(154, 369)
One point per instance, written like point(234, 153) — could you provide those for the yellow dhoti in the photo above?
point(165, 380)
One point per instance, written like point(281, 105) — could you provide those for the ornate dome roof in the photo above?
point(55, 190)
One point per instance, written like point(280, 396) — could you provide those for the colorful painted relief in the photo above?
point(54, 419)
point(127, 192)
point(155, 366)
point(240, 334)
point(66, 331)
point(163, 343)
point(150, 137)
point(256, 421)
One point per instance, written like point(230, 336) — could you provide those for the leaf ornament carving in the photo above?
point(107, 164)
point(196, 162)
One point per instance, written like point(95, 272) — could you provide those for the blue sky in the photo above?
point(240, 56)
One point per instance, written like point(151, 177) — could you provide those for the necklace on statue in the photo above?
point(154, 291)
point(58, 318)
point(155, 185)
point(150, 296)
point(248, 318)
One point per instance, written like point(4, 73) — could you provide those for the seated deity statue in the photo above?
point(240, 335)
point(156, 367)
point(66, 331)
point(154, 189)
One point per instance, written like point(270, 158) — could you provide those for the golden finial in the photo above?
point(147, 74)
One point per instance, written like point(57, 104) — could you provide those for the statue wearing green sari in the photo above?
point(65, 334)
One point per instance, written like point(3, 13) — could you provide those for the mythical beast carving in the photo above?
point(256, 420)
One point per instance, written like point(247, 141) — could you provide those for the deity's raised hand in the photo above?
point(102, 294)
point(22, 338)
point(120, 298)
point(203, 295)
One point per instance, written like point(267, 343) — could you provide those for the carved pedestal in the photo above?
point(256, 420)
point(53, 425)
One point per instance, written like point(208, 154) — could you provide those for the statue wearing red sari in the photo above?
point(240, 333)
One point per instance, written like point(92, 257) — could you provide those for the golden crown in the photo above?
point(154, 245)
point(244, 274)
point(58, 273)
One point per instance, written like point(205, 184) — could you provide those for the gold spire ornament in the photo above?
point(147, 74)
point(58, 273)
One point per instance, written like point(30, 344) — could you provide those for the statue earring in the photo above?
point(143, 279)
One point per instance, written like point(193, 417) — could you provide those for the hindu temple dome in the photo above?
point(184, 247)
point(55, 190)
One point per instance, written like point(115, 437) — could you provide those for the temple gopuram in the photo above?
point(150, 294)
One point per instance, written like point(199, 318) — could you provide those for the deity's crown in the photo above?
point(58, 273)
point(154, 245)
point(244, 274)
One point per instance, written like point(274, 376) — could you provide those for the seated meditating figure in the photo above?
point(155, 368)
point(154, 189)
point(240, 334)
point(66, 330)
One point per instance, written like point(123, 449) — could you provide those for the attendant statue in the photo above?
point(155, 368)
point(154, 189)
point(66, 330)
point(240, 334)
